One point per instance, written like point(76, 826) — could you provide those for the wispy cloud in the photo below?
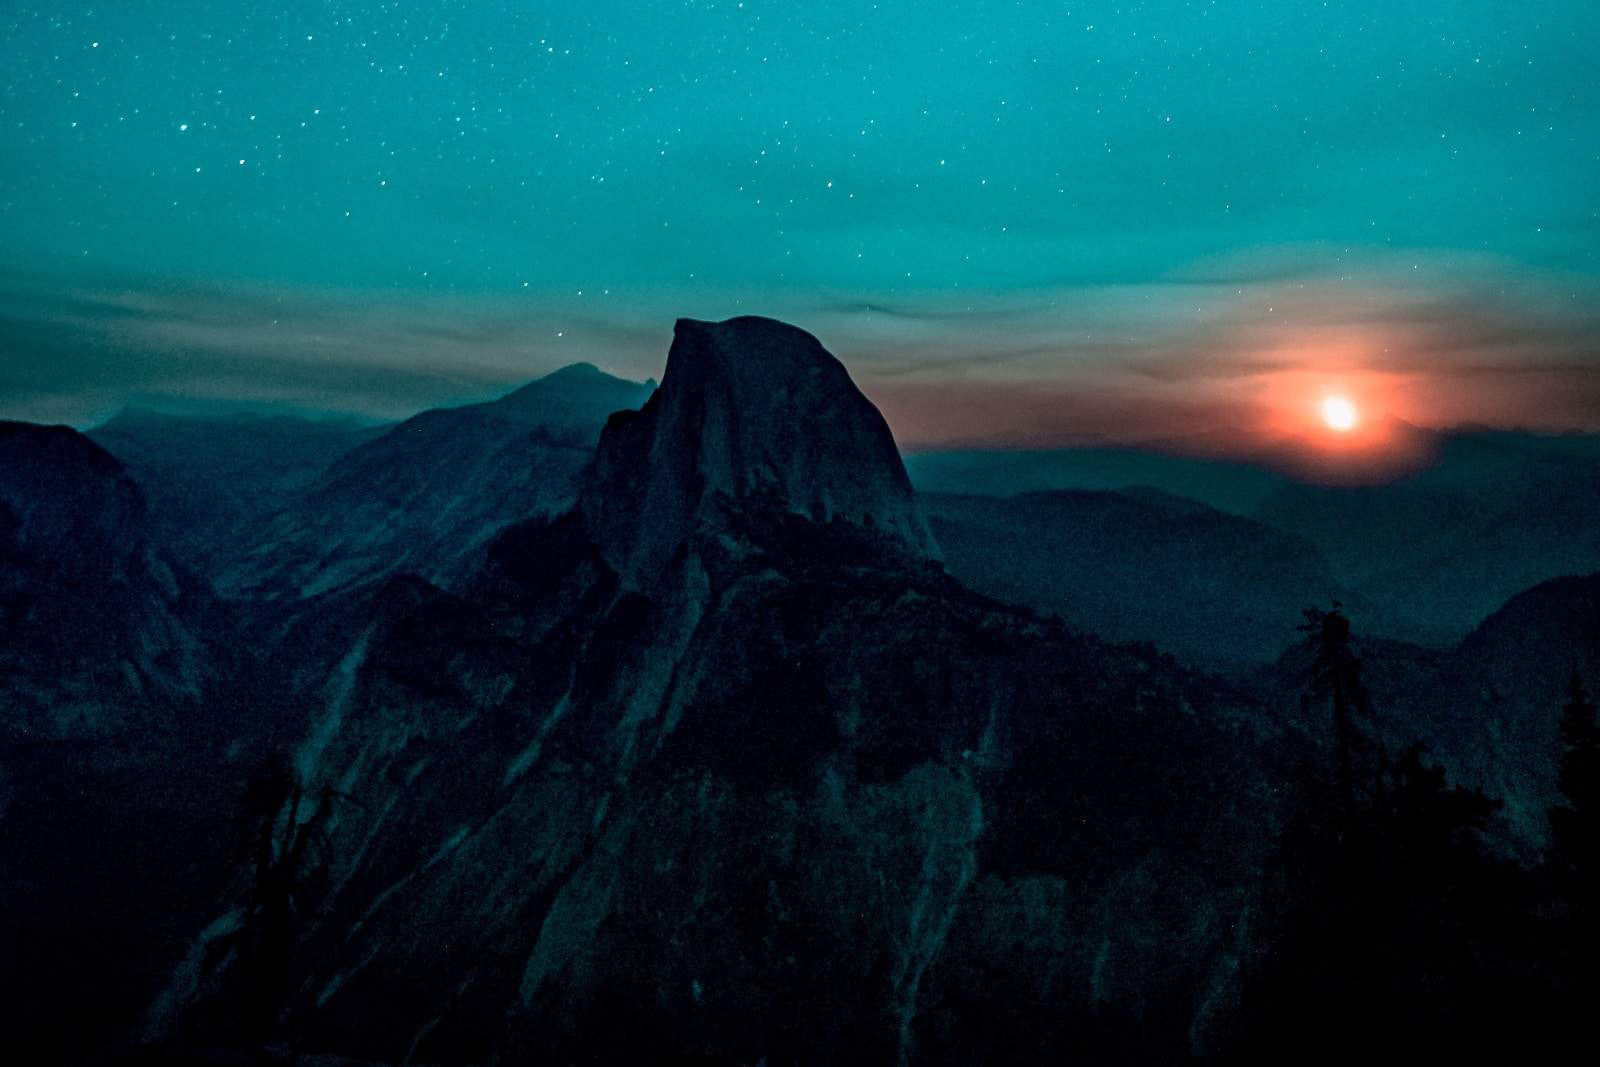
point(1459, 338)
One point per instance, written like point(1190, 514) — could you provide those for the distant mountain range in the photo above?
point(1424, 558)
point(291, 507)
point(1212, 588)
point(214, 483)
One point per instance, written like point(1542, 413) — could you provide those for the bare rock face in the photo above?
point(751, 414)
point(426, 496)
point(722, 767)
point(99, 628)
point(66, 503)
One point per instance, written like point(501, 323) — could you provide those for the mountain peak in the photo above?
point(575, 371)
point(749, 343)
point(65, 498)
point(752, 413)
point(577, 392)
point(61, 449)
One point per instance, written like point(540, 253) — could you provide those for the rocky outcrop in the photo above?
point(101, 629)
point(752, 414)
point(113, 711)
point(429, 494)
point(214, 483)
point(720, 764)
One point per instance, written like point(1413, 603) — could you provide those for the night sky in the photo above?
point(1017, 222)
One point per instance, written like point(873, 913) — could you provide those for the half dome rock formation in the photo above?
point(751, 411)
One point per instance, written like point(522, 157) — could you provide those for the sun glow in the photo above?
point(1339, 413)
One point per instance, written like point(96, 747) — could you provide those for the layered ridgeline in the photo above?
point(722, 763)
point(429, 494)
point(1426, 556)
point(278, 508)
point(214, 482)
point(1221, 592)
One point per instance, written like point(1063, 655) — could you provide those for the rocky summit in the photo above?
point(752, 415)
point(722, 763)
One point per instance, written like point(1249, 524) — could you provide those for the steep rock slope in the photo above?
point(751, 409)
point(100, 628)
point(430, 493)
point(1517, 664)
point(215, 482)
point(111, 719)
point(742, 773)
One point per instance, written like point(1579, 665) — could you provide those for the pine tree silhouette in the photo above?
point(1575, 853)
point(285, 855)
point(1575, 823)
point(1336, 677)
point(1388, 922)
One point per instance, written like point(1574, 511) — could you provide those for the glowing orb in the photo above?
point(1339, 413)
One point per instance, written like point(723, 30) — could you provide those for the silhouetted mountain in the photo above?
point(430, 493)
point(1488, 706)
point(1482, 514)
point(1434, 554)
point(102, 630)
point(551, 730)
point(214, 482)
point(1217, 590)
point(722, 764)
point(1517, 664)
point(112, 694)
point(1235, 487)
point(752, 411)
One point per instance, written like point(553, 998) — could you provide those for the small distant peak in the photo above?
point(577, 394)
point(1474, 429)
point(575, 371)
point(132, 414)
point(582, 376)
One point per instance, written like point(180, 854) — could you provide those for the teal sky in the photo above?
point(1079, 219)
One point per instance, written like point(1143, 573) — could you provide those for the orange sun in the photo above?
point(1339, 414)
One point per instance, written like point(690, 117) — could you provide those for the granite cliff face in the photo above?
point(752, 415)
point(113, 699)
point(722, 764)
point(102, 629)
point(426, 496)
